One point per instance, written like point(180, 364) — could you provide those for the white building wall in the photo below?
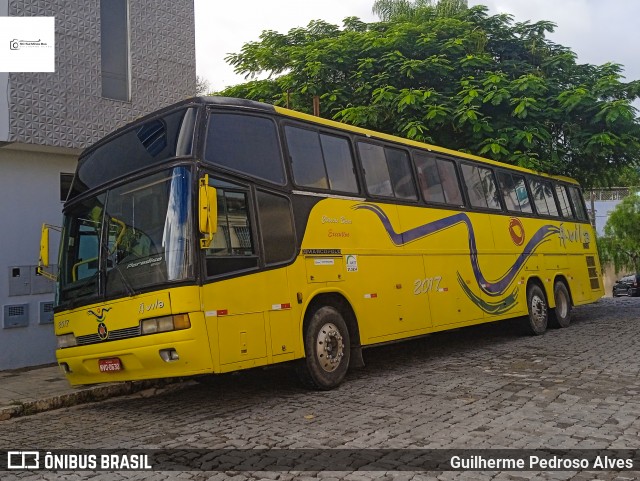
point(29, 196)
point(46, 118)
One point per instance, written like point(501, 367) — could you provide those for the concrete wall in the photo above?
point(29, 196)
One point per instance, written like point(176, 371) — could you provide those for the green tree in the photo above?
point(412, 10)
point(620, 244)
point(456, 77)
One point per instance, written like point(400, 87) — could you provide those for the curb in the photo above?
point(96, 393)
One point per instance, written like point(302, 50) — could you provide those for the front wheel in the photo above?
point(327, 349)
point(561, 315)
point(538, 312)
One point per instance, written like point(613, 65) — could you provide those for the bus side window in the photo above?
point(233, 247)
point(401, 175)
point(543, 197)
point(339, 162)
point(563, 199)
point(245, 143)
point(376, 171)
point(321, 161)
point(306, 158)
point(481, 187)
point(387, 171)
point(514, 192)
point(438, 180)
point(578, 204)
point(276, 226)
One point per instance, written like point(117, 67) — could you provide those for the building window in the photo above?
point(65, 185)
point(114, 36)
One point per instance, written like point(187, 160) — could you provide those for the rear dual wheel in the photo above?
point(561, 315)
point(540, 316)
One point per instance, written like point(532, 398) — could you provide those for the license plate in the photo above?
point(110, 365)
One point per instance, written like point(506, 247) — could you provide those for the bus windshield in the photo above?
point(131, 237)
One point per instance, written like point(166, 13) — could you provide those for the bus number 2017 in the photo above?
point(430, 284)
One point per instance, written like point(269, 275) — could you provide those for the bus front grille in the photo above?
point(116, 335)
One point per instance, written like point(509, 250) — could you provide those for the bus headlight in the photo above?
point(66, 340)
point(165, 324)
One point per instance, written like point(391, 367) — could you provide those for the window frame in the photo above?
point(235, 172)
point(488, 167)
point(572, 213)
point(261, 240)
point(526, 186)
point(383, 146)
point(240, 187)
point(578, 192)
point(533, 178)
point(320, 132)
point(439, 158)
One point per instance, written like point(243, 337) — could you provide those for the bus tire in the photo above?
point(328, 348)
point(538, 310)
point(561, 315)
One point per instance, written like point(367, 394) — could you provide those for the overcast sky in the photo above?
point(598, 31)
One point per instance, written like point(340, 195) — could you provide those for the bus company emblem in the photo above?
point(103, 332)
point(100, 314)
point(516, 230)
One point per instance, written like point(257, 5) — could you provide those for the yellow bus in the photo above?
point(221, 234)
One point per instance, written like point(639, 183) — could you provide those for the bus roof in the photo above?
point(251, 105)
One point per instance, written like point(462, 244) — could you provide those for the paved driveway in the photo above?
point(489, 386)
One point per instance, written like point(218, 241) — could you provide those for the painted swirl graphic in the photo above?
point(100, 315)
point(493, 288)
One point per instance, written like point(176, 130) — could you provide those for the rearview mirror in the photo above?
point(43, 261)
point(207, 211)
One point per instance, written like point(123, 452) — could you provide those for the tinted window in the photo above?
point(438, 179)
point(376, 172)
point(233, 246)
point(543, 197)
point(276, 227)
point(387, 171)
point(147, 144)
point(246, 144)
point(481, 187)
point(306, 158)
point(339, 163)
point(563, 200)
point(401, 176)
point(320, 160)
point(578, 204)
point(514, 192)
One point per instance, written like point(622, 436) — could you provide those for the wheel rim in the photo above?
point(538, 312)
point(562, 304)
point(329, 347)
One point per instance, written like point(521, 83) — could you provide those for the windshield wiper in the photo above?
point(130, 290)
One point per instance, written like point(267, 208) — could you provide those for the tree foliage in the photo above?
point(620, 245)
point(456, 77)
